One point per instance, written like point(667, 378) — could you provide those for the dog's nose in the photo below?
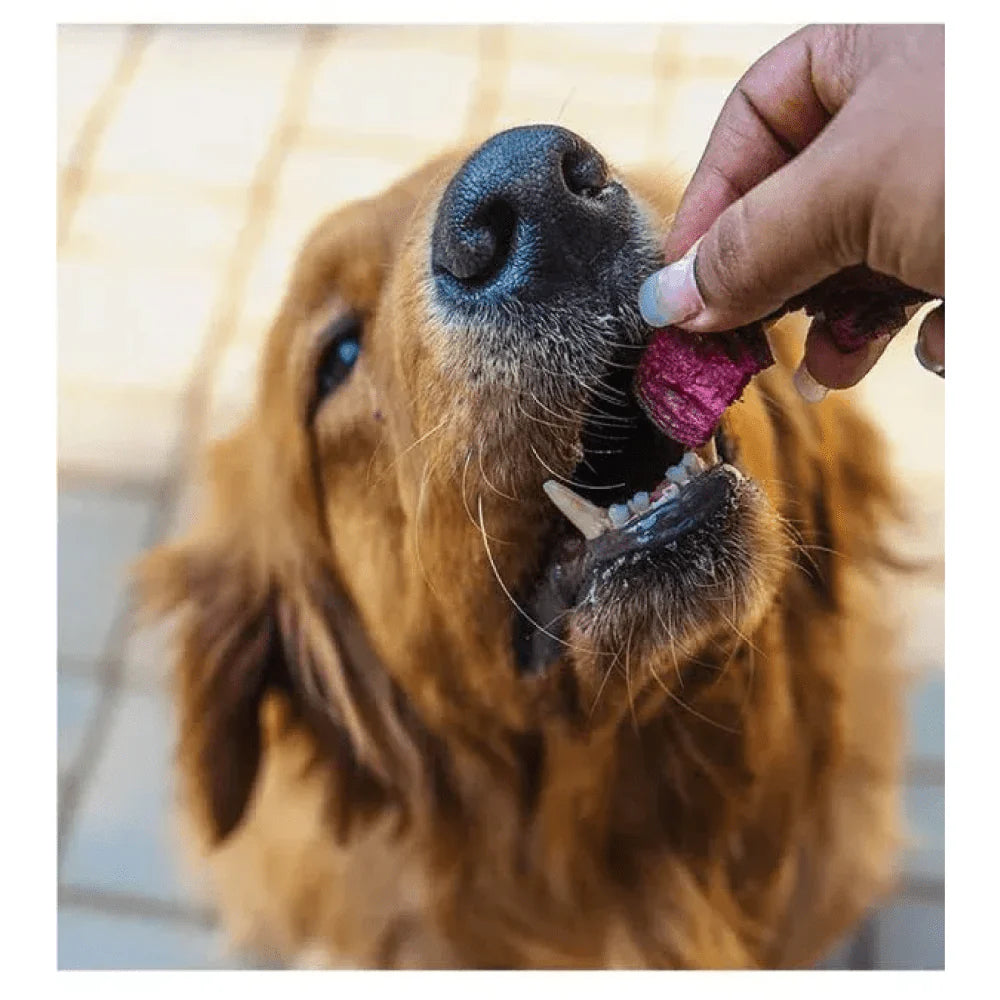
point(533, 209)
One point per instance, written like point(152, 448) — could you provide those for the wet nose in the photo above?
point(532, 211)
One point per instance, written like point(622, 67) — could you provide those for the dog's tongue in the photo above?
point(686, 381)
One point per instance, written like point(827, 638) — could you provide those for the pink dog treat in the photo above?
point(686, 381)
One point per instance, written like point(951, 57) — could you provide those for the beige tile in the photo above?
point(556, 89)
point(741, 44)
point(460, 39)
point(269, 276)
point(313, 183)
point(86, 58)
point(203, 104)
point(909, 404)
point(120, 225)
point(127, 434)
point(685, 122)
point(100, 533)
point(415, 93)
point(921, 613)
point(233, 386)
point(148, 654)
point(627, 48)
point(316, 181)
point(139, 326)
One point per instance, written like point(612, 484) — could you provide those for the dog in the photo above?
point(426, 720)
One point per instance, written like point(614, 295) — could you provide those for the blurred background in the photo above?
point(192, 162)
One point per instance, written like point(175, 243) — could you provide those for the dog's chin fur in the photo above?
point(700, 772)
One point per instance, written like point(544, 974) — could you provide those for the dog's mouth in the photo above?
point(636, 510)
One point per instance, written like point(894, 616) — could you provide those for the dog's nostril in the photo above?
point(475, 252)
point(585, 172)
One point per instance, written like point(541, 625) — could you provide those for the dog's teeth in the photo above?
point(619, 514)
point(639, 503)
point(694, 465)
point(677, 475)
point(710, 454)
point(586, 517)
point(664, 493)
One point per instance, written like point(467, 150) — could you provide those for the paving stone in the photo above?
point(92, 939)
point(78, 698)
point(99, 534)
point(910, 935)
point(119, 223)
point(135, 325)
point(927, 720)
point(87, 56)
point(924, 856)
point(685, 122)
point(203, 104)
point(429, 106)
point(123, 839)
point(124, 432)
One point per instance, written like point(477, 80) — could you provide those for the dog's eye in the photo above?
point(343, 347)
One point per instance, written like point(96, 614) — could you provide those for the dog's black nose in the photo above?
point(531, 211)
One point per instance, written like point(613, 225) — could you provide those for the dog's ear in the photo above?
point(229, 653)
point(257, 611)
point(218, 588)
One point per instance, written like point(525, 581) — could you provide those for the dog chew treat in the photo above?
point(858, 305)
point(685, 381)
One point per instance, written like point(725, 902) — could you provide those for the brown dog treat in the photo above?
point(858, 304)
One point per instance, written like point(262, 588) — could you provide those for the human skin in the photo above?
point(828, 153)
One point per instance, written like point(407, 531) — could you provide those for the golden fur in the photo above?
point(367, 777)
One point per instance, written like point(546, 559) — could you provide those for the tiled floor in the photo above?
point(192, 162)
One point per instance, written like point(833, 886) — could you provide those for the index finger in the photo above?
point(771, 115)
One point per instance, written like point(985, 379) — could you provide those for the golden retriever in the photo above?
point(427, 722)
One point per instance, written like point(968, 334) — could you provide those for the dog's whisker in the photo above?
point(510, 597)
point(425, 478)
point(628, 679)
point(604, 681)
point(669, 633)
point(565, 479)
point(410, 447)
point(465, 501)
point(486, 479)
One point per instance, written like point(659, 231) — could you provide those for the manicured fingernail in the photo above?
point(919, 349)
point(671, 295)
point(809, 389)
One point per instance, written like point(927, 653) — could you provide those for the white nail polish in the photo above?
point(671, 295)
point(808, 388)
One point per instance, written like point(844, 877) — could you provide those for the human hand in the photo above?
point(829, 153)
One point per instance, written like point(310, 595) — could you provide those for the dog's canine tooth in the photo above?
point(677, 474)
point(590, 520)
point(709, 453)
point(694, 465)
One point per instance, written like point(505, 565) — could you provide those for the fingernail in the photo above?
point(808, 388)
point(671, 295)
point(936, 367)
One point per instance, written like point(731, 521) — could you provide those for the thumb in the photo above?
point(801, 224)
